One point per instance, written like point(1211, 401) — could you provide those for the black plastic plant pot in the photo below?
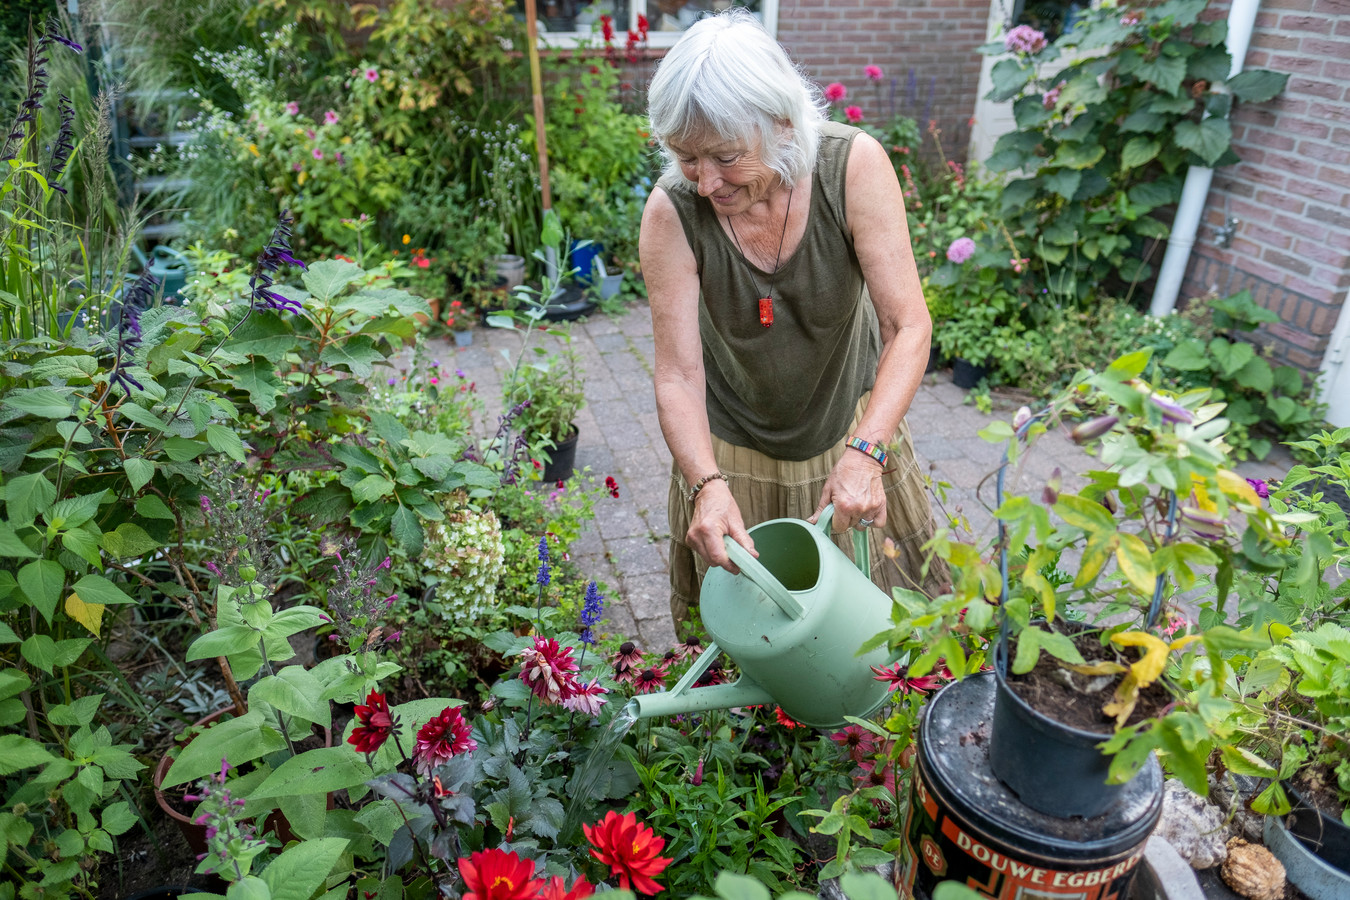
point(966, 374)
point(1051, 767)
point(165, 892)
point(1327, 836)
point(964, 825)
point(562, 459)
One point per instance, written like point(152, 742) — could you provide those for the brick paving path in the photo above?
point(626, 546)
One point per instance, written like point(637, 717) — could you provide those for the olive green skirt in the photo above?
point(765, 488)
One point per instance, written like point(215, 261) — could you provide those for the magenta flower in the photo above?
point(857, 741)
point(372, 75)
point(317, 154)
point(872, 72)
point(445, 736)
point(1050, 99)
point(1259, 485)
point(330, 118)
point(549, 670)
point(292, 108)
point(834, 92)
point(1024, 39)
point(961, 250)
point(853, 114)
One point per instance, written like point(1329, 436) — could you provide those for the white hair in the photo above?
point(728, 76)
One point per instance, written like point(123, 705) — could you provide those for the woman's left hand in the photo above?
point(856, 490)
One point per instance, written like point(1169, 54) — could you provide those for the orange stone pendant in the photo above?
point(766, 311)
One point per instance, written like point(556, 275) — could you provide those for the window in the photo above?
point(566, 23)
point(1051, 17)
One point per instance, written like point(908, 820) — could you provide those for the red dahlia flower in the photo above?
point(554, 889)
point(444, 736)
point(630, 850)
point(376, 724)
point(549, 670)
point(497, 875)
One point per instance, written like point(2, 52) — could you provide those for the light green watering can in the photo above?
point(793, 622)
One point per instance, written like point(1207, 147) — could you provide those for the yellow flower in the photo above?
point(346, 139)
point(407, 239)
point(302, 178)
point(253, 148)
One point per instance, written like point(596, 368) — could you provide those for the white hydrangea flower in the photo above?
point(466, 553)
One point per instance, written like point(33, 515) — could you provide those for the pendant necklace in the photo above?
point(766, 302)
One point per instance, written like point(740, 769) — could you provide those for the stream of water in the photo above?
point(598, 764)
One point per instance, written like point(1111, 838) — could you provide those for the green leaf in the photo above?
point(407, 531)
point(1167, 72)
point(139, 471)
point(328, 278)
point(1138, 151)
point(227, 640)
point(28, 496)
point(239, 740)
point(1244, 762)
point(295, 691)
point(13, 682)
point(1079, 156)
point(372, 488)
point(300, 871)
point(118, 818)
point(226, 441)
point(1009, 77)
point(134, 412)
point(11, 546)
point(94, 588)
point(259, 378)
point(1257, 85)
point(1207, 139)
point(76, 714)
point(40, 651)
point(318, 771)
point(866, 885)
point(84, 543)
point(1064, 182)
point(152, 507)
point(41, 581)
point(129, 540)
point(45, 403)
point(18, 753)
point(358, 354)
point(731, 886)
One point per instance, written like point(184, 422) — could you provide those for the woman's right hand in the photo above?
point(715, 516)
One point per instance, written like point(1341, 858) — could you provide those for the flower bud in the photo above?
point(1172, 411)
point(1022, 418)
point(1092, 429)
point(1050, 494)
point(1109, 501)
point(1205, 524)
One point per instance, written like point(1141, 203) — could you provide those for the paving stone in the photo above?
point(638, 555)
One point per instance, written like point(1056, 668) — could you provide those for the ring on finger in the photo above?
point(865, 522)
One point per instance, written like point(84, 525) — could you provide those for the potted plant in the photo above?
point(460, 319)
point(553, 384)
point(1071, 598)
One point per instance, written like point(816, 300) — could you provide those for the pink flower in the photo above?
point(834, 92)
point(330, 118)
point(588, 699)
point(872, 72)
point(372, 75)
point(445, 736)
point(549, 670)
point(900, 681)
point(292, 108)
point(961, 250)
point(853, 114)
point(1259, 485)
point(309, 133)
point(317, 154)
point(650, 680)
point(858, 741)
point(296, 167)
point(1024, 39)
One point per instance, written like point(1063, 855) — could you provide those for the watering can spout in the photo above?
point(718, 696)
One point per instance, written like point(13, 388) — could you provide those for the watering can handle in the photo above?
point(860, 556)
point(763, 579)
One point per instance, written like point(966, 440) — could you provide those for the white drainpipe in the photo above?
point(1241, 21)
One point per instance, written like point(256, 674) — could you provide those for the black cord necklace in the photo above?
point(766, 302)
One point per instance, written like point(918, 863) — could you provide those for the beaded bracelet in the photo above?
point(698, 485)
point(873, 450)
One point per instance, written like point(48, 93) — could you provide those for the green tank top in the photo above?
point(788, 390)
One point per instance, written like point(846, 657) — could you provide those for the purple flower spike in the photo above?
point(1172, 411)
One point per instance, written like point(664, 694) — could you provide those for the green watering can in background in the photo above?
point(793, 622)
point(167, 265)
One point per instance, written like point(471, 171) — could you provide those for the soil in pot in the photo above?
point(1050, 689)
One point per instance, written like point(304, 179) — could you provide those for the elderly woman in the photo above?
point(791, 330)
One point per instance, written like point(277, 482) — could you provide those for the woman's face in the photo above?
point(731, 174)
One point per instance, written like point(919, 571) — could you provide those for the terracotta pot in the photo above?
point(195, 834)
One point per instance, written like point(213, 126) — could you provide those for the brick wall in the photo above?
point(925, 48)
point(1291, 191)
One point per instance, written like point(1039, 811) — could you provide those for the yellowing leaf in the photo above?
point(1150, 667)
point(1136, 563)
point(1234, 485)
point(1201, 495)
point(1183, 641)
point(90, 615)
point(1105, 667)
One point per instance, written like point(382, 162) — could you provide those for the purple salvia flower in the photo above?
point(65, 143)
point(273, 256)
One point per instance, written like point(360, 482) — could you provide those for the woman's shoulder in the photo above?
point(838, 133)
